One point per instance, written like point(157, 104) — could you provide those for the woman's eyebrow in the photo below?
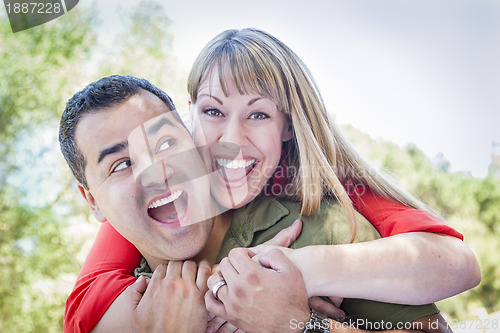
point(252, 101)
point(212, 96)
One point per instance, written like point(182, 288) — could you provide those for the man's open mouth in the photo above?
point(169, 209)
point(234, 170)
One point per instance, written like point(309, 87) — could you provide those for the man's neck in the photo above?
point(222, 223)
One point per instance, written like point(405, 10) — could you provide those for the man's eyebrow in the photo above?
point(112, 150)
point(153, 129)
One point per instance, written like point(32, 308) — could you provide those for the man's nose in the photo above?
point(234, 131)
point(155, 175)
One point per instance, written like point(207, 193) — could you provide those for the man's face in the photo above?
point(146, 178)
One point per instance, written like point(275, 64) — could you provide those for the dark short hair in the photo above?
point(96, 97)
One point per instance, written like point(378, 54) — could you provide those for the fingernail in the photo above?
point(210, 329)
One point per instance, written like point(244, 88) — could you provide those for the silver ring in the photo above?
point(216, 287)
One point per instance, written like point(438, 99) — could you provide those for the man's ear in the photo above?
point(99, 216)
point(287, 131)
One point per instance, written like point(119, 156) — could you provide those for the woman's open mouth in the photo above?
point(234, 170)
point(170, 209)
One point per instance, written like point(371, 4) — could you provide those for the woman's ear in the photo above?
point(190, 107)
point(196, 127)
point(98, 215)
point(191, 112)
point(287, 131)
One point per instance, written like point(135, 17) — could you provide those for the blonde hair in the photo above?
point(325, 160)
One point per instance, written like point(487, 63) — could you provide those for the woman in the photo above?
point(325, 165)
point(240, 68)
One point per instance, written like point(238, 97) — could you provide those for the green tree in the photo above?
point(469, 204)
point(144, 50)
point(40, 251)
point(488, 198)
point(38, 68)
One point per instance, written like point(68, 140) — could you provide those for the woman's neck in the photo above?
point(222, 223)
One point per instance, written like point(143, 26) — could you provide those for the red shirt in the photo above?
point(109, 267)
point(107, 271)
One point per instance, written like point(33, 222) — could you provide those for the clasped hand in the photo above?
point(174, 299)
point(265, 292)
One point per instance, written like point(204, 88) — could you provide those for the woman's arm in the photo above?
point(107, 271)
point(445, 265)
point(410, 268)
point(271, 297)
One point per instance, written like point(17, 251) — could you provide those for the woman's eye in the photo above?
point(122, 165)
point(258, 116)
point(167, 144)
point(212, 112)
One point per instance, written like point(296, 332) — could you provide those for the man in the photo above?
point(155, 202)
point(139, 170)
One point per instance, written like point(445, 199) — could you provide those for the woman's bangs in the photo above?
point(251, 74)
point(235, 65)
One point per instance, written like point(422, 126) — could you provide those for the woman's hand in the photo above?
point(281, 241)
point(259, 297)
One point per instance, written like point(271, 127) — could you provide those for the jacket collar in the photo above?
point(260, 214)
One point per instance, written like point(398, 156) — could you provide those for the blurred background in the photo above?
point(415, 85)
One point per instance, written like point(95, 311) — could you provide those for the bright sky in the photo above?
point(420, 71)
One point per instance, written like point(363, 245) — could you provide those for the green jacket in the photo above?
point(264, 217)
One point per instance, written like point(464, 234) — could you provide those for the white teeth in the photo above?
point(164, 201)
point(234, 164)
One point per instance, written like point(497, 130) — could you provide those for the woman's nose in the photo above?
point(234, 132)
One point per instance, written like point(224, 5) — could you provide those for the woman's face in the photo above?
point(240, 139)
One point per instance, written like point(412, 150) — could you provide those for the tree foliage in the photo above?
point(471, 205)
point(145, 50)
point(42, 220)
point(37, 67)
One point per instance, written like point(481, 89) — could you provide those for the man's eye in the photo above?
point(122, 165)
point(167, 144)
point(212, 112)
point(258, 116)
